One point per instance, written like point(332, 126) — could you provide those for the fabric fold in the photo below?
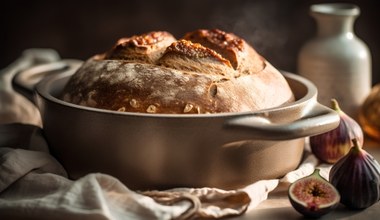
point(34, 185)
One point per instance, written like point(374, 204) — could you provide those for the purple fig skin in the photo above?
point(313, 196)
point(329, 147)
point(357, 178)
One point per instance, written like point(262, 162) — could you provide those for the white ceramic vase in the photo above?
point(336, 60)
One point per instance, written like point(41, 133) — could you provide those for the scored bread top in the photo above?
point(208, 71)
point(243, 57)
point(146, 48)
point(187, 56)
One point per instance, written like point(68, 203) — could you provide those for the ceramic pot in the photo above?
point(159, 151)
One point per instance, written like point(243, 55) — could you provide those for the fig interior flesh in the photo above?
point(313, 196)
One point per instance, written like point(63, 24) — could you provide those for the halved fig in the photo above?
point(313, 196)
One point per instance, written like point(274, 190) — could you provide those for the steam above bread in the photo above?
point(206, 71)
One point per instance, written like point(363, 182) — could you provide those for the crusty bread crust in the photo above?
point(187, 78)
point(184, 55)
point(242, 56)
point(145, 48)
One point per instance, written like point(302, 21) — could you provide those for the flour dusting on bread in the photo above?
point(206, 71)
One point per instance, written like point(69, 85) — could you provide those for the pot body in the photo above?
point(151, 151)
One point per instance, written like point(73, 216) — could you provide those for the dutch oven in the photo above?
point(158, 151)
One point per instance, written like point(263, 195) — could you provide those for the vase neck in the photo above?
point(334, 18)
point(329, 26)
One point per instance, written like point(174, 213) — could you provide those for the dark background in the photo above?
point(80, 29)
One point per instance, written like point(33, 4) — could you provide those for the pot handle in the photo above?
point(317, 119)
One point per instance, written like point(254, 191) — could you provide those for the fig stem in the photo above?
point(335, 105)
point(316, 173)
point(356, 145)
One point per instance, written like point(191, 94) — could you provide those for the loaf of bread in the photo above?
point(206, 71)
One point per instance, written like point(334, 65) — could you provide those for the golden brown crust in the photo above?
point(145, 88)
point(187, 56)
point(135, 87)
point(194, 50)
point(184, 78)
point(242, 56)
point(146, 48)
point(226, 44)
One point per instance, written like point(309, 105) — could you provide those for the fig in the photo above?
point(313, 196)
point(357, 178)
point(330, 146)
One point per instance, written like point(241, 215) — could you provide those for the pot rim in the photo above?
point(43, 88)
